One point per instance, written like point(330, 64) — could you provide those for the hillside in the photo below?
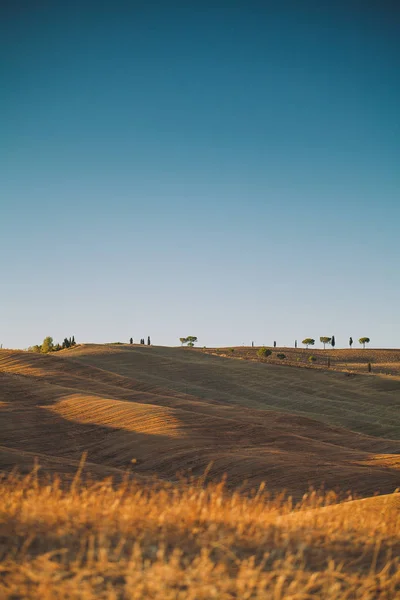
point(159, 411)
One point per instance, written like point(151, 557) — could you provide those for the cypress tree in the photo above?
point(333, 343)
point(148, 340)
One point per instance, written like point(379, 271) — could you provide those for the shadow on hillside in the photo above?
point(332, 397)
point(286, 451)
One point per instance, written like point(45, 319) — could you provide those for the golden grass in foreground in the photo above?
point(191, 541)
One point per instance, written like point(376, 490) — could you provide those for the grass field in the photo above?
point(146, 417)
point(192, 541)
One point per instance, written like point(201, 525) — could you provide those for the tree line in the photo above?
point(142, 342)
point(48, 345)
point(331, 340)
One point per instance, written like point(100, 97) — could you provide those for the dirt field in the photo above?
point(162, 411)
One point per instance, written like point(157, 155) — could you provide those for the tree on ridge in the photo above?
point(308, 342)
point(47, 345)
point(364, 340)
point(325, 340)
point(189, 340)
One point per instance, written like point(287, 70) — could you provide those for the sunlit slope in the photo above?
point(366, 404)
point(118, 405)
point(139, 540)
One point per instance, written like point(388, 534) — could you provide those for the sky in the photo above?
point(228, 170)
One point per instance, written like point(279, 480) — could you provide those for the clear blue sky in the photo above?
point(222, 169)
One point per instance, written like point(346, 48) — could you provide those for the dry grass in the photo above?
point(192, 541)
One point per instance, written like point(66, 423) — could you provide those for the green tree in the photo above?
point(73, 342)
point(333, 342)
point(308, 342)
point(350, 342)
point(325, 340)
point(47, 345)
point(190, 340)
point(36, 348)
point(364, 340)
point(263, 352)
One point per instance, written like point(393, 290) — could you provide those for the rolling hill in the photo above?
point(161, 411)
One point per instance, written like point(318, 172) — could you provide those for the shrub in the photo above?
point(281, 355)
point(264, 352)
point(232, 349)
point(36, 348)
point(312, 359)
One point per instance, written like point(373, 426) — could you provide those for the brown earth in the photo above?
point(158, 411)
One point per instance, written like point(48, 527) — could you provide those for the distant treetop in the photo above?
point(364, 340)
point(325, 340)
point(308, 342)
point(190, 340)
